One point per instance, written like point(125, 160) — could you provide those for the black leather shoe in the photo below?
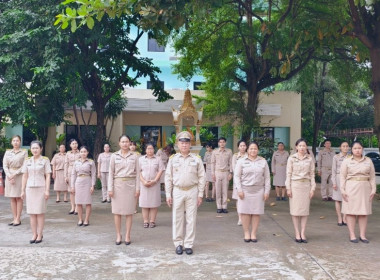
point(354, 240)
point(298, 240)
point(303, 240)
point(32, 241)
point(188, 251)
point(118, 242)
point(75, 213)
point(127, 242)
point(225, 211)
point(79, 224)
point(15, 225)
point(340, 224)
point(366, 241)
point(254, 240)
point(179, 250)
point(219, 211)
point(71, 212)
point(10, 224)
point(39, 241)
point(104, 201)
point(247, 240)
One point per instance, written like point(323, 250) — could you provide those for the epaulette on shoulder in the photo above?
point(138, 153)
point(45, 157)
point(28, 158)
point(8, 150)
point(235, 154)
point(90, 159)
point(172, 156)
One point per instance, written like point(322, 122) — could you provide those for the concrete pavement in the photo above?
point(72, 252)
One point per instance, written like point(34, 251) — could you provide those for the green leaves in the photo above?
point(90, 22)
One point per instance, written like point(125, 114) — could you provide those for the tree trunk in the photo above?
point(250, 119)
point(109, 135)
point(375, 85)
point(78, 124)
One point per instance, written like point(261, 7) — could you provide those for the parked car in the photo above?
point(375, 157)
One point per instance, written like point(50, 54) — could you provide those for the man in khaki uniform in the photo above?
point(184, 186)
point(325, 160)
point(221, 169)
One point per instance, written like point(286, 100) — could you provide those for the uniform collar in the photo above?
point(146, 156)
point(296, 156)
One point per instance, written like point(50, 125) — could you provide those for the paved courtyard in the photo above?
point(72, 252)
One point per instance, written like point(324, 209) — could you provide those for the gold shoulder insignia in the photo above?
point(45, 157)
point(90, 159)
point(235, 154)
point(199, 156)
point(138, 153)
point(8, 150)
point(28, 158)
point(172, 156)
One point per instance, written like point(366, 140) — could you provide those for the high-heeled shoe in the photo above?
point(33, 240)
point(15, 225)
point(118, 242)
point(79, 224)
point(39, 241)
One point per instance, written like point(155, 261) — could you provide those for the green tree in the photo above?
point(327, 90)
point(30, 84)
point(245, 47)
point(364, 25)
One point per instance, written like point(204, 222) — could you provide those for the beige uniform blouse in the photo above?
point(36, 170)
point(13, 161)
point(279, 159)
point(235, 159)
point(352, 169)
point(325, 159)
point(104, 162)
point(221, 160)
point(58, 161)
point(85, 168)
point(124, 167)
point(337, 162)
point(250, 172)
point(69, 161)
point(300, 168)
point(149, 167)
point(184, 172)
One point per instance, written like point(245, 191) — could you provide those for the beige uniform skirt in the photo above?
point(253, 202)
point(150, 197)
point(83, 190)
point(123, 201)
point(337, 195)
point(300, 201)
point(13, 190)
point(35, 200)
point(209, 174)
point(59, 181)
point(358, 198)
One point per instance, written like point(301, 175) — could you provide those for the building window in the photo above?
point(149, 84)
point(151, 134)
point(196, 85)
point(264, 134)
point(153, 46)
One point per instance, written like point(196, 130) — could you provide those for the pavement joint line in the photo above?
point(302, 248)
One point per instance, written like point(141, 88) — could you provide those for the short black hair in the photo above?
point(222, 138)
point(39, 143)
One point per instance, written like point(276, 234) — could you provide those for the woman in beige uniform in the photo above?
point(242, 147)
point(252, 181)
point(103, 167)
point(209, 179)
point(71, 157)
point(123, 186)
point(58, 174)
point(35, 189)
point(300, 186)
point(358, 187)
point(278, 164)
point(335, 173)
point(12, 163)
point(151, 168)
point(83, 180)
